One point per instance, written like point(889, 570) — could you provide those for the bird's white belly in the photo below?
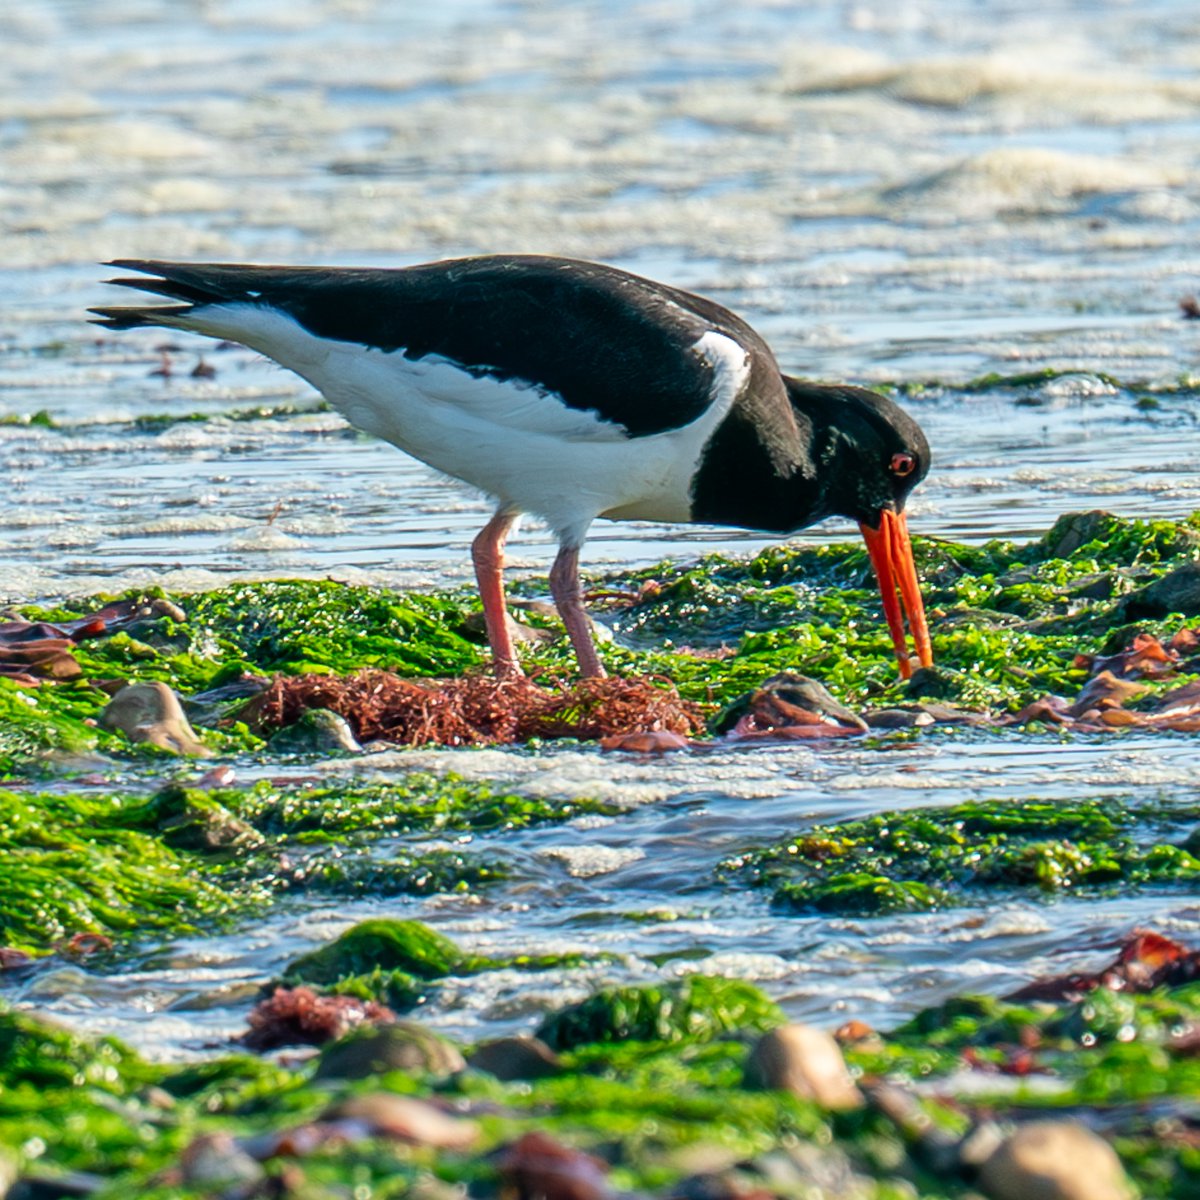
point(520, 444)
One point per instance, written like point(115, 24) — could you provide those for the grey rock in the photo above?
point(215, 1158)
point(1176, 592)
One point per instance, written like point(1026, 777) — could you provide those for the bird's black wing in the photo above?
point(603, 340)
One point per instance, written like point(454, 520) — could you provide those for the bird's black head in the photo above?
point(869, 453)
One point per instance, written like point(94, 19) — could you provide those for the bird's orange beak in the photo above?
point(892, 557)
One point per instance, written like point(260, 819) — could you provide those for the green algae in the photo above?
point(654, 1108)
point(184, 857)
point(388, 945)
point(699, 1007)
point(941, 857)
point(1007, 622)
point(77, 863)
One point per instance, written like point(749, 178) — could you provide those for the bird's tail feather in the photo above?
point(197, 285)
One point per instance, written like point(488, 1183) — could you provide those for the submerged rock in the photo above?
point(151, 713)
point(1054, 1160)
point(804, 1061)
point(403, 1046)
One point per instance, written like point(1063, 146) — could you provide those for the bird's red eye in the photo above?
point(903, 464)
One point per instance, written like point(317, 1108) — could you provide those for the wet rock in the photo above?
point(151, 712)
point(1073, 530)
point(645, 741)
point(403, 1046)
point(1176, 592)
point(512, 1058)
point(190, 819)
point(386, 1114)
point(897, 718)
point(216, 1159)
point(804, 1061)
point(409, 946)
point(318, 731)
point(1054, 1160)
point(788, 700)
point(224, 701)
point(536, 1167)
point(934, 683)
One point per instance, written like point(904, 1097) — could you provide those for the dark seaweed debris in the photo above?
point(476, 709)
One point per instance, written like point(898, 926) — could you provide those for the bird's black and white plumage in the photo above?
point(573, 391)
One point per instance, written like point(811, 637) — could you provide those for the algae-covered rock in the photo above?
point(409, 946)
point(699, 1008)
point(317, 731)
point(402, 1046)
point(42, 1054)
point(190, 819)
point(861, 894)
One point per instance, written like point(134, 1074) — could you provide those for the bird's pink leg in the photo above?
point(568, 596)
point(487, 552)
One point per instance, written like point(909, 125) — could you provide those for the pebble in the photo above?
point(151, 713)
point(407, 1118)
point(804, 1061)
point(215, 1158)
point(1054, 1160)
point(510, 1058)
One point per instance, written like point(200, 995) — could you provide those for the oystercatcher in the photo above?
point(572, 391)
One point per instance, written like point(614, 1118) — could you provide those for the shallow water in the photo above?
point(916, 194)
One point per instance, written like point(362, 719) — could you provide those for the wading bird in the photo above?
point(572, 391)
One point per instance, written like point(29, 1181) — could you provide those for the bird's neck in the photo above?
point(759, 472)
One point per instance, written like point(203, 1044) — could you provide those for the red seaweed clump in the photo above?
point(477, 709)
point(1146, 961)
point(301, 1017)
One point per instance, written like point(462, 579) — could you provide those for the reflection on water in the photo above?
point(904, 194)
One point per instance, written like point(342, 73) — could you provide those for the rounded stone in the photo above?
point(1054, 1160)
point(804, 1061)
point(151, 713)
point(512, 1058)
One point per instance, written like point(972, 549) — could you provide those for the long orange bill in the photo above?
point(892, 557)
